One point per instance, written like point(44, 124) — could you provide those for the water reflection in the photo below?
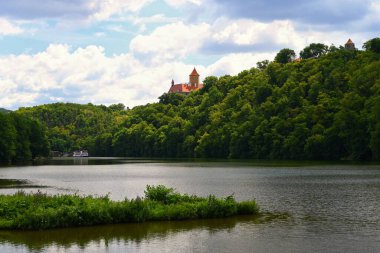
point(193, 162)
point(80, 161)
point(126, 233)
point(95, 161)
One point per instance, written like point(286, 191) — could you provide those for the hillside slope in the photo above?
point(318, 108)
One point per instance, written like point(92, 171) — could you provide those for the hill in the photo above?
point(75, 126)
point(322, 107)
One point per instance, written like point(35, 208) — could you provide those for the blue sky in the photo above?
point(119, 51)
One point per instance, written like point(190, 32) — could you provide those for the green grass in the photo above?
point(41, 211)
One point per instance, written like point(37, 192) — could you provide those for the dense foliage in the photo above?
point(41, 211)
point(285, 55)
point(74, 126)
point(372, 45)
point(21, 138)
point(325, 106)
point(314, 50)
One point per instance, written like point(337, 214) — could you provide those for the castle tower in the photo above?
point(194, 78)
point(349, 45)
point(186, 88)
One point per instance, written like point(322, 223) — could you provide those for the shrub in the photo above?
point(158, 193)
point(41, 211)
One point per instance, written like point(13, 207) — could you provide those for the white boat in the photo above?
point(80, 153)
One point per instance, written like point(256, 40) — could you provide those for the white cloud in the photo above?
point(233, 64)
point(83, 75)
point(63, 15)
point(68, 9)
point(170, 42)
point(57, 72)
point(178, 40)
point(142, 21)
point(278, 34)
point(93, 11)
point(7, 28)
point(87, 75)
point(248, 32)
point(105, 9)
point(369, 25)
point(179, 3)
point(154, 19)
point(12, 96)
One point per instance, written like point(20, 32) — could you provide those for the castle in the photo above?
point(349, 45)
point(186, 88)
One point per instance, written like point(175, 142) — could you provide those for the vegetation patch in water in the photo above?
point(42, 211)
point(6, 183)
point(16, 183)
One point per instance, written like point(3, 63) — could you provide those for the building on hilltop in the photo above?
point(349, 45)
point(186, 88)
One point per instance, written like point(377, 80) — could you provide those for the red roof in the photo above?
point(194, 73)
point(349, 41)
point(184, 88)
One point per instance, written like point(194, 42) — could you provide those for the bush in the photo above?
point(159, 193)
point(41, 211)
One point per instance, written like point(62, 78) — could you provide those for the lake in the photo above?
point(311, 207)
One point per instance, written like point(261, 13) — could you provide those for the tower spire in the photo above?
point(350, 45)
point(194, 78)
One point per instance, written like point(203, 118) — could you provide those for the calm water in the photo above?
point(322, 208)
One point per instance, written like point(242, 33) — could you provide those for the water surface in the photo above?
point(330, 208)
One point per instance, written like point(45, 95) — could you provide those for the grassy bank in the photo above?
point(41, 211)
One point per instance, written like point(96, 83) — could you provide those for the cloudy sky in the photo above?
point(127, 51)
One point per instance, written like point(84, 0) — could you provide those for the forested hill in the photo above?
point(75, 126)
point(326, 106)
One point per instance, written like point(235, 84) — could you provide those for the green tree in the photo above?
point(171, 98)
point(372, 45)
point(117, 107)
point(285, 55)
point(8, 138)
point(39, 144)
point(314, 50)
point(23, 143)
point(262, 64)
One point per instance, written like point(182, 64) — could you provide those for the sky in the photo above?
point(128, 51)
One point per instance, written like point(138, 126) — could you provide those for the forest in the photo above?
point(323, 106)
point(21, 138)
